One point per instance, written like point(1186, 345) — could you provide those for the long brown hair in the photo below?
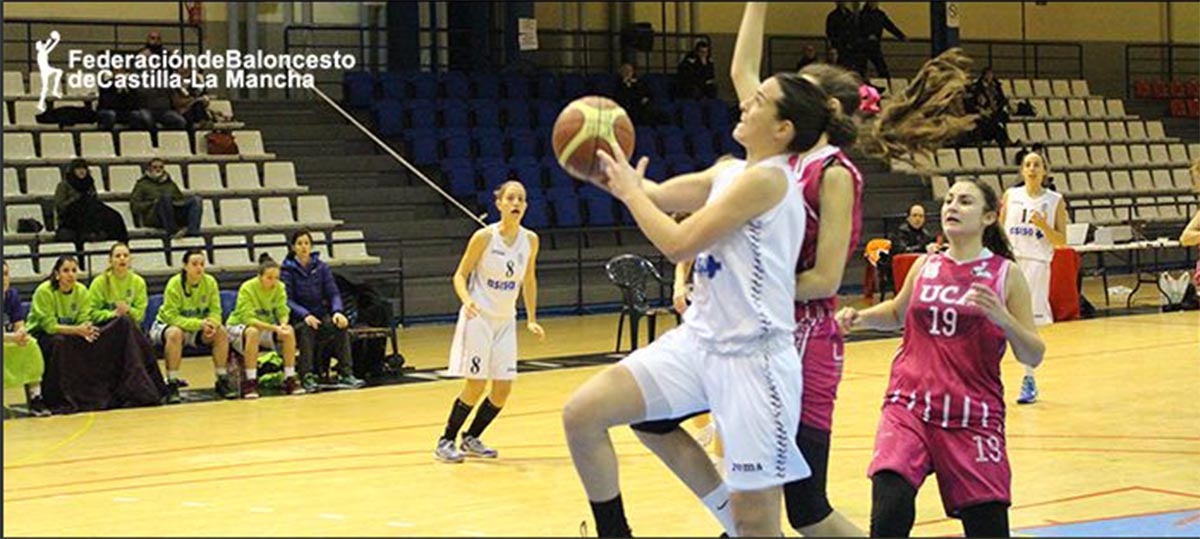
point(994, 237)
point(927, 115)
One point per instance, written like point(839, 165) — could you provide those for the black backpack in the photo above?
point(365, 307)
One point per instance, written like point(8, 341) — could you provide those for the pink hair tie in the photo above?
point(868, 98)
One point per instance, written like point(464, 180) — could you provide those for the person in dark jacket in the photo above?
point(810, 57)
point(912, 237)
point(157, 202)
point(119, 106)
point(316, 313)
point(989, 101)
point(841, 34)
point(872, 21)
point(697, 78)
point(81, 215)
point(633, 96)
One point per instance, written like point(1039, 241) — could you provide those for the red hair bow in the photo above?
point(868, 98)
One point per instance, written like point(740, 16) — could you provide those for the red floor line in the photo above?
point(1165, 491)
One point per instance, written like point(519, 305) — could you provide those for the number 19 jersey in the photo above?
point(947, 370)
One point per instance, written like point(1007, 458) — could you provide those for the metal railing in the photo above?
point(1019, 59)
point(1166, 62)
point(20, 36)
point(600, 51)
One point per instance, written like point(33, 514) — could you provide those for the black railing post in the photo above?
point(579, 271)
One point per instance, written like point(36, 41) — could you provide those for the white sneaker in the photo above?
point(475, 448)
point(446, 452)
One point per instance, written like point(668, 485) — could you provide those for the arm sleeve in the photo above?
point(288, 279)
point(281, 304)
point(96, 299)
point(331, 289)
point(169, 312)
point(137, 309)
point(42, 310)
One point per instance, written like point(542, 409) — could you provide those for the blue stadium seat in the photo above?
point(658, 86)
point(645, 142)
point(523, 143)
point(359, 88)
point(672, 140)
point(574, 86)
point(657, 170)
point(691, 116)
point(730, 146)
point(701, 141)
point(456, 85)
point(566, 207)
point(462, 181)
point(516, 113)
point(424, 85)
point(424, 145)
point(487, 85)
point(718, 112)
point(602, 84)
point(547, 112)
point(487, 202)
point(519, 161)
point(531, 176)
point(600, 209)
point(624, 215)
point(455, 113)
point(704, 160)
point(422, 113)
point(558, 177)
point(490, 141)
point(668, 112)
point(394, 85)
point(547, 86)
point(457, 144)
point(228, 302)
point(487, 113)
point(493, 176)
point(153, 304)
point(680, 164)
point(537, 214)
point(389, 117)
point(516, 86)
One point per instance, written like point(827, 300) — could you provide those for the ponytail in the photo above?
point(265, 262)
point(928, 115)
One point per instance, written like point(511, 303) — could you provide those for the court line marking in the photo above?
point(87, 425)
point(1101, 519)
point(1083, 497)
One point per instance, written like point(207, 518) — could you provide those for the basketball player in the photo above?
point(1035, 220)
point(832, 189)
point(499, 261)
point(733, 354)
point(944, 408)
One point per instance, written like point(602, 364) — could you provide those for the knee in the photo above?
point(251, 336)
point(174, 335)
point(500, 392)
point(220, 334)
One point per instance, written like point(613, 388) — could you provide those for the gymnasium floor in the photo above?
point(1113, 448)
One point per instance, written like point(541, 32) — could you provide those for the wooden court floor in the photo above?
point(1116, 433)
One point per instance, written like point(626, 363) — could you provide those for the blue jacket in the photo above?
point(311, 290)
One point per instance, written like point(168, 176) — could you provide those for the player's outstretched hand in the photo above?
point(536, 329)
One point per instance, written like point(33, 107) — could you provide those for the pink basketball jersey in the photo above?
point(947, 370)
point(812, 169)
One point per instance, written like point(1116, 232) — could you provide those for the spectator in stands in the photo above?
point(831, 57)
point(154, 43)
point(23, 364)
point(841, 34)
point(89, 367)
point(322, 331)
point(987, 99)
point(119, 106)
point(157, 202)
point(190, 315)
point(258, 321)
point(872, 21)
point(82, 217)
point(633, 96)
point(697, 78)
point(810, 57)
point(190, 101)
point(157, 102)
point(911, 237)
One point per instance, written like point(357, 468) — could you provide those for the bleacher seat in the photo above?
point(547, 86)
point(14, 83)
point(175, 145)
point(516, 86)
point(231, 253)
point(58, 146)
point(25, 113)
point(250, 144)
point(1100, 182)
point(360, 88)
point(205, 178)
point(242, 177)
point(1060, 88)
point(97, 146)
point(279, 176)
point(314, 210)
point(149, 256)
point(42, 181)
point(275, 211)
point(456, 85)
point(486, 85)
point(274, 244)
point(16, 212)
point(122, 208)
point(424, 85)
point(350, 246)
point(239, 212)
point(1122, 182)
point(12, 186)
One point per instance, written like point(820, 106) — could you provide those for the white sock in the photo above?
point(251, 374)
point(172, 375)
point(35, 390)
point(1029, 371)
point(289, 372)
point(719, 505)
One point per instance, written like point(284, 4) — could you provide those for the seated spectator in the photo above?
point(191, 316)
point(157, 103)
point(190, 102)
point(259, 319)
point(158, 202)
point(82, 217)
point(23, 364)
point(633, 96)
point(696, 76)
point(119, 106)
point(89, 367)
point(987, 99)
point(322, 331)
point(911, 237)
point(810, 57)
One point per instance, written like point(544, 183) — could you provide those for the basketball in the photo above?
point(586, 125)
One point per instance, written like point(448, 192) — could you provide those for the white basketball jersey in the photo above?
point(745, 283)
point(496, 281)
point(1028, 241)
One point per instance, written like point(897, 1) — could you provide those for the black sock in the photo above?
point(893, 505)
point(487, 412)
point(458, 416)
point(985, 520)
point(610, 518)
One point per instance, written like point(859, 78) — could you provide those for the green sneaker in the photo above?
point(348, 380)
point(310, 382)
point(172, 396)
point(225, 388)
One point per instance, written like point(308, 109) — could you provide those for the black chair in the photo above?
point(632, 274)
